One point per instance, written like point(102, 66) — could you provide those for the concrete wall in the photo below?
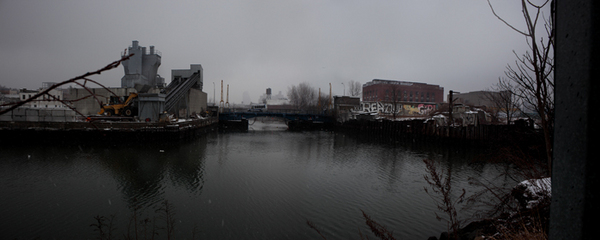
point(88, 104)
point(24, 114)
point(197, 100)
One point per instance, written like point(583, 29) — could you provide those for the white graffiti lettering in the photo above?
point(398, 108)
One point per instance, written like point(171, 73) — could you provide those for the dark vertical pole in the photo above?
point(450, 106)
point(575, 200)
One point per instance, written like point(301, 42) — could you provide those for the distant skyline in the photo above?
point(255, 45)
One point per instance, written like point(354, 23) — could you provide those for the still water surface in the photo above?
point(263, 184)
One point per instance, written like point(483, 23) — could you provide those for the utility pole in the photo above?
point(329, 105)
point(227, 103)
point(344, 89)
point(221, 105)
point(450, 106)
point(319, 99)
point(214, 94)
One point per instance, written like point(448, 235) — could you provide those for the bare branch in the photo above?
point(505, 22)
point(72, 80)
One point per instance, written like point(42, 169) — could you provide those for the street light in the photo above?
point(344, 89)
point(214, 93)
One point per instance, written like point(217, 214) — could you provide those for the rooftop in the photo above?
point(384, 81)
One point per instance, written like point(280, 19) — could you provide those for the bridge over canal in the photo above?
point(233, 116)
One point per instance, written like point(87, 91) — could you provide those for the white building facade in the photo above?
point(51, 100)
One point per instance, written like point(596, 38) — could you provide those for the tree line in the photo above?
point(308, 98)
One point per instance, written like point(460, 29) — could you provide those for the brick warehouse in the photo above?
point(380, 90)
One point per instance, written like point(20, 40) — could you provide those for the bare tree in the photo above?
point(533, 71)
point(395, 97)
point(302, 96)
point(503, 100)
point(355, 88)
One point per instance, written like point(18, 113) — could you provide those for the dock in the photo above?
point(104, 131)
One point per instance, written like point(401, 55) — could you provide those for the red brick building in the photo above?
point(380, 90)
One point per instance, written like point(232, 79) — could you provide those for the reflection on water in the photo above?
point(262, 184)
point(143, 173)
point(267, 124)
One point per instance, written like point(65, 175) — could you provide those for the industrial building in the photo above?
point(141, 109)
point(46, 108)
point(344, 106)
point(379, 90)
point(487, 99)
point(270, 99)
point(142, 67)
point(183, 96)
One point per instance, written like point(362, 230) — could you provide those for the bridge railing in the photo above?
point(290, 111)
point(320, 117)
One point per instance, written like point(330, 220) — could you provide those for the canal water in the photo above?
point(262, 184)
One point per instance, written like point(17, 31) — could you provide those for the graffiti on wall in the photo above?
point(399, 108)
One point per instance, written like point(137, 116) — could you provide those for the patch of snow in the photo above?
point(536, 189)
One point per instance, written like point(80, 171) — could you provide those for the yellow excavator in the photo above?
point(118, 107)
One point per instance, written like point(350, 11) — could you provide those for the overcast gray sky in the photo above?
point(253, 45)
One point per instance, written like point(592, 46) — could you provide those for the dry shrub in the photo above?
point(379, 230)
point(526, 229)
point(441, 192)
